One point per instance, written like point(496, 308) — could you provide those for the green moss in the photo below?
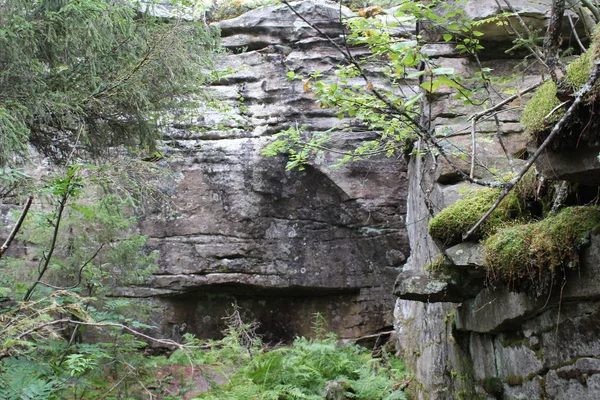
point(514, 380)
point(493, 385)
point(529, 256)
point(455, 220)
point(543, 101)
point(438, 264)
point(578, 72)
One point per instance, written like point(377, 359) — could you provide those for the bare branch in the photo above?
point(17, 226)
point(506, 101)
point(85, 264)
point(555, 131)
point(581, 46)
point(592, 7)
point(532, 47)
point(166, 342)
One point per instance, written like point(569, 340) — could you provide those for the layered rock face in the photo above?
point(466, 340)
point(283, 245)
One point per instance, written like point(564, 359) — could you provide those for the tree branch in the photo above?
point(592, 7)
point(166, 342)
point(552, 41)
point(17, 226)
point(555, 131)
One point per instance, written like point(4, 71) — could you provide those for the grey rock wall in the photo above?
point(282, 244)
point(465, 341)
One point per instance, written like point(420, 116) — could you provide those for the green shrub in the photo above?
point(530, 256)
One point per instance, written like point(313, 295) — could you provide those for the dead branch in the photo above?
point(17, 226)
point(85, 264)
point(581, 46)
point(166, 342)
point(592, 7)
point(47, 257)
point(533, 48)
point(508, 186)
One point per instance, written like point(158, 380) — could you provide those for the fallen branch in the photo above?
point(508, 186)
point(166, 342)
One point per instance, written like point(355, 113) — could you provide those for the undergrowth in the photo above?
point(308, 369)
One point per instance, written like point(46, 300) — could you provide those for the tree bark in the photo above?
point(552, 41)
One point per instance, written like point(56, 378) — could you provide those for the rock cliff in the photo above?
point(464, 338)
point(286, 244)
point(281, 244)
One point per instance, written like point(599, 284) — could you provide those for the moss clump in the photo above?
point(493, 385)
point(455, 220)
point(543, 101)
point(530, 256)
point(438, 264)
point(514, 380)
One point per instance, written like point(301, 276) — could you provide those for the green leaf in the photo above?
point(442, 71)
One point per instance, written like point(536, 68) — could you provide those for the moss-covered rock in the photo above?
point(535, 117)
point(453, 221)
point(541, 104)
point(530, 257)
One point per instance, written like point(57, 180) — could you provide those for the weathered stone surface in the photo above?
point(584, 283)
point(283, 244)
point(569, 333)
point(535, 14)
point(425, 287)
point(466, 254)
point(579, 165)
point(495, 310)
point(578, 381)
point(521, 341)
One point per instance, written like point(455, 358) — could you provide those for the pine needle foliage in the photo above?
point(90, 74)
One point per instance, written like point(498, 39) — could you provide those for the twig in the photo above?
point(555, 109)
point(116, 385)
point(533, 48)
point(473, 146)
point(166, 342)
point(80, 273)
point(17, 226)
point(581, 46)
point(506, 101)
point(47, 257)
point(592, 7)
point(508, 186)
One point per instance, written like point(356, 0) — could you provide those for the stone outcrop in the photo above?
point(494, 344)
point(282, 244)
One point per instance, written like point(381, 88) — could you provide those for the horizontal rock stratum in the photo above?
point(282, 244)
